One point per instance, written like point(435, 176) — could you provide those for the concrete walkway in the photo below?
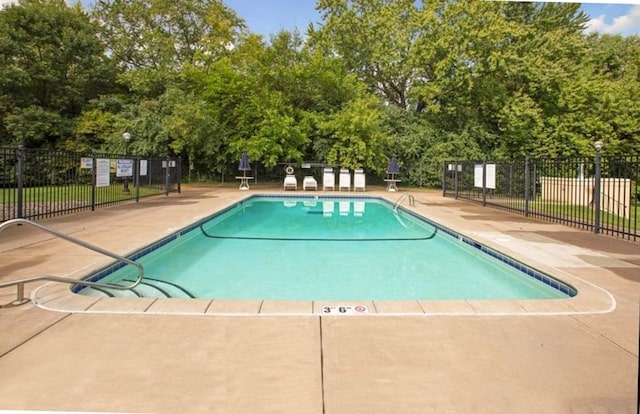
point(577, 355)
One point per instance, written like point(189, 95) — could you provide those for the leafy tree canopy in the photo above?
point(428, 81)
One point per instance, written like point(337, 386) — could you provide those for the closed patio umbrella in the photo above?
point(244, 164)
point(393, 167)
point(244, 167)
point(392, 171)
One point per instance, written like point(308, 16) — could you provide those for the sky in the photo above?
point(613, 18)
point(267, 17)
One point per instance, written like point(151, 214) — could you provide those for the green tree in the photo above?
point(356, 135)
point(375, 40)
point(422, 148)
point(154, 40)
point(52, 65)
point(165, 49)
point(250, 113)
point(612, 66)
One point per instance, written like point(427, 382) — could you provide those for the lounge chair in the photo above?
point(309, 183)
point(358, 179)
point(345, 180)
point(290, 183)
point(328, 179)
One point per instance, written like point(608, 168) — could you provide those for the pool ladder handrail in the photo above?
point(20, 299)
point(412, 201)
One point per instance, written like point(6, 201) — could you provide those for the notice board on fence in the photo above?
point(103, 166)
point(490, 175)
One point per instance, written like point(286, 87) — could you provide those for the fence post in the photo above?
point(484, 183)
point(136, 177)
point(444, 179)
point(167, 175)
point(179, 172)
point(455, 180)
point(20, 195)
point(94, 177)
point(526, 186)
point(511, 178)
point(596, 191)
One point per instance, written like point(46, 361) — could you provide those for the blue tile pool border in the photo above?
point(523, 268)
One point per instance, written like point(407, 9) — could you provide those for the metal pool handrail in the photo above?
point(20, 299)
point(412, 201)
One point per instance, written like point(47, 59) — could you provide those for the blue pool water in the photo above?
point(316, 248)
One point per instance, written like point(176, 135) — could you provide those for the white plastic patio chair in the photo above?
point(345, 180)
point(290, 183)
point(328, 179)
point(309, 183)
point(358, 179)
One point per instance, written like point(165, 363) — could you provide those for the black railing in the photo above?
point(600, 194)
point(37, 183)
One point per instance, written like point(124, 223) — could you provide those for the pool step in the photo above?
point(148, 288)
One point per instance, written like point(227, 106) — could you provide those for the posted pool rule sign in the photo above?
point(344, 310)
point(124, 168)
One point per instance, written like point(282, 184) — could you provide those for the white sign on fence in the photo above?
point(477, 175)
point(102, 172)
point(86, 162)
point(143, 167)
point(124, 168)
point(490, 176)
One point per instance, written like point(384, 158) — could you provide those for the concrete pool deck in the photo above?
point(70, 353)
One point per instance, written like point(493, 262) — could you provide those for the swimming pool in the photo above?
point(327, 248)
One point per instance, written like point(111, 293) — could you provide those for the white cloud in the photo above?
point(626, 24)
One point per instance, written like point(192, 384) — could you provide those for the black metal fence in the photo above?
point(600, 194)
point(38, 183)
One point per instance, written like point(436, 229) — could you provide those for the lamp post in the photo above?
point(126, 137)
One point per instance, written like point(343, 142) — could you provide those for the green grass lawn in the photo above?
point(74, 192)
point(576, 211)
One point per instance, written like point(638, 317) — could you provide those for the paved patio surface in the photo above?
point(61, 353)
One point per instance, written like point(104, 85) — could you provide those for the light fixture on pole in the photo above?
point(126, 137)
